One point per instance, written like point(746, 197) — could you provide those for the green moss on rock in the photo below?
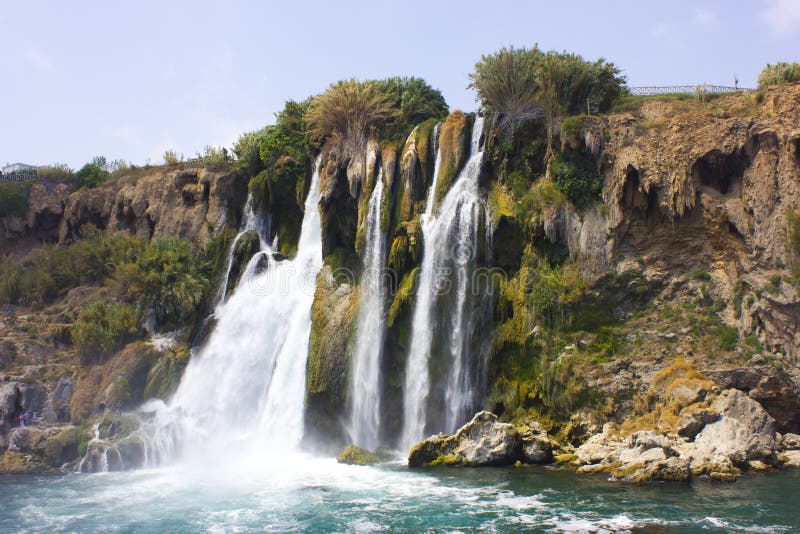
point(354, 455)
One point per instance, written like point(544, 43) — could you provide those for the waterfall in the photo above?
point(365, 380)
point(445, 304)
point(250, 221)
point(245, 389)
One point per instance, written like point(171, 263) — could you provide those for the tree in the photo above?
point(93, 173)
point(779, 74)
point(521, 84)
point(413, 100)
point(347, 112)
point(506, 86)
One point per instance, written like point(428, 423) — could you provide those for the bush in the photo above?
point(793, 240)
point(57, 172)
point(519, 84)
point(171, 157)
point(414, 101)
point(779, 74)
point(104, 327)
point(577, 179)
point(13, 199)
point(165, 277)
point(93, 173)
point(701, 275)
point(727, 337)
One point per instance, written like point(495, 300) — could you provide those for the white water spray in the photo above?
point(365, 380)
point(244, 391)
point(448, 262)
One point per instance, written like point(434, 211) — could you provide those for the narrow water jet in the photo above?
point(365, 378)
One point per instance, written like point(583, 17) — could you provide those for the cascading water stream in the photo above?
point(250, 221)
point(365, 381)
point(244, 391)
point(451, 243)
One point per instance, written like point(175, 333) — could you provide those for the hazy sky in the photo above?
point(129, 80)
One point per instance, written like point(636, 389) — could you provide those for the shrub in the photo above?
point(413, 102)
point(793, 240)
point(171, 157)
point(779, 74)
point(577, 179)
point(104, 327)
point(165, 277)
point(93, 173)
point(213, 156)
point(701, 275)
point(57, 172)
point(727, 336)
point(13, 199)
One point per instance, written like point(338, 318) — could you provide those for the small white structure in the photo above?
point(17, 167)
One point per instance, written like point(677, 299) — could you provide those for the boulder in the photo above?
point(483, 441)
point(353, 455)
point(790, 442)
point(743, 432)
point(62, 447)
point(790, 459)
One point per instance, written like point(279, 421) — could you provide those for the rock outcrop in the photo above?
point(189, 202)
point(732, 433)
point(481, 442)
point(353, 455)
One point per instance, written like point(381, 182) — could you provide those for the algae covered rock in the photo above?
point(481, 442)
point(354, 455)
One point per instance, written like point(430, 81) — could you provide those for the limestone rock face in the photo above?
point(482, 441)
point(744, 431)
point(24, 439)
point(190, 202)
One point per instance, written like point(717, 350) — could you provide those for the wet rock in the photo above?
point(8, 406)
point(62, 447)
point(32, 397)
point(353, 455)
point(482, 441)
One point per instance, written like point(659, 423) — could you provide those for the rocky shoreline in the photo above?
point(721, 437)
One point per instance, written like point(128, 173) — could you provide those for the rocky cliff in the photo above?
point(638, 304)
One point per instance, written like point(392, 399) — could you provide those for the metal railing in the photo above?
point(17, 176)
point(684, 89)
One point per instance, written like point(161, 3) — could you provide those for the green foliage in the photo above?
point(727, 336)
point(701, 275)
point(93, 173)
point(103, 327)
point(348, 112)
point(13, 199)
point(577, 178)
point(248, 152)
point(552, 292)
point(57, 172)
point(171, 157)
point(413, 102)
point(779, 74)
point(51, 270)
point(793, 240)
point(213, 156)
point(519, 84)
point(506, 83)
point(560, 389)
point(166, 277)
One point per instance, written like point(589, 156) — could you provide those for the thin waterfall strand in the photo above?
point(365, 381)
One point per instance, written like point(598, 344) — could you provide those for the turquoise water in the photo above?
point(317, 495)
